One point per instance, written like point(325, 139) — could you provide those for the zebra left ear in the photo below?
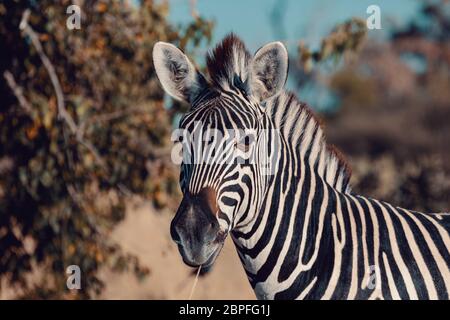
point(177, 74)
point(269, 70)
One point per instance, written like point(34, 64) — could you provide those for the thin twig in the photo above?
point(195, 283)
point(18, 92)
point(62, 112)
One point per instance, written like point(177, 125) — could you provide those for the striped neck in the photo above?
point(305, 137)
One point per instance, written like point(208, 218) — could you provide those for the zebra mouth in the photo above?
point(208, 262)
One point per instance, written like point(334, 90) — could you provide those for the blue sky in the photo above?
point(305, 20)
point(308, 20)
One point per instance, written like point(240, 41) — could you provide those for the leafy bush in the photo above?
point(79, 133)
point(393, 111)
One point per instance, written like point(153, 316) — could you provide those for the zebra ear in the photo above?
point(177, 74)
point(269, 70)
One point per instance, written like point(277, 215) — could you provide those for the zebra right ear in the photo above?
point(269, 70)
point(177, 74)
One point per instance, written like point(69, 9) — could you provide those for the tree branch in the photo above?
point(62, 111)
point(18, 92)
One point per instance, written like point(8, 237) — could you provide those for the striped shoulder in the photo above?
point(303, 130)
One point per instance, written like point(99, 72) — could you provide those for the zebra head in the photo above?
point(226, 139)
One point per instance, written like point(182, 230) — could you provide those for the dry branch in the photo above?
point(18, 91)
point(62, 111)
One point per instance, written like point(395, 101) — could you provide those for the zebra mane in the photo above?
point(304, 131)
point(229, 59)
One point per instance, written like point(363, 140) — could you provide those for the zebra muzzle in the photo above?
point(195, 228)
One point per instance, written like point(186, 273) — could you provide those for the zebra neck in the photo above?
point(292, 208)
point(306, 142)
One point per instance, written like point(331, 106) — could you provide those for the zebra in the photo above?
point(299, 230)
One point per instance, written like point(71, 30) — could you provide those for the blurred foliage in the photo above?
point(309, 68)
point(345, 38)
point(393, 111)
point(58, 202)
point(421, 184)
point(354, 89)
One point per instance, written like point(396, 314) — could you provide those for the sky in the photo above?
point(307, 20)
